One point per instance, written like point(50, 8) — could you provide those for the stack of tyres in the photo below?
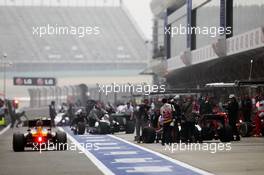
point(148, 134)
point(130, 126)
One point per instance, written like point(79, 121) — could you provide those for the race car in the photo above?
point(104, 126)
point(215, 126)
point(39, 134)
point(124, 122)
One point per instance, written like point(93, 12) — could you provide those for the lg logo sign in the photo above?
point(34, 81)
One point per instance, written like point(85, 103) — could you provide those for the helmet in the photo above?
point(232, 96)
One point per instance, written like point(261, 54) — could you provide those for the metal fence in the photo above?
point(61, 3)
point(79, 94)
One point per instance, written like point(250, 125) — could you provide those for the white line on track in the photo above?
point(108, 148)
point(5, 129)
point(165, 157)
point(121, 153)
point(97, 140)
point(96, 162)
point(106, 144)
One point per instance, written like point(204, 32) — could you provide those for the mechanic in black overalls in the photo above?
point(232, 109)
point(142, 118)
point(52, 112)
point(188, 120)
point(96, 114)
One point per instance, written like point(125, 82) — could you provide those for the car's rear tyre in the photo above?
point(244, 129)
point(61, 141)
point(104, 128)
point(130, 127)
point(262, 132)
point(81, 128)
point(148, 135)
point(207, 133)
point(18, 142)
point(226, 134)
point(116, 128)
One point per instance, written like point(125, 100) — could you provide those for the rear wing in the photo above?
point(33, 123)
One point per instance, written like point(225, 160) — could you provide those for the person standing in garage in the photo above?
point(142, 118)
point(188, 123)
point(246, 108)
point(52, 112)
point(166, 111)
point(232, 109)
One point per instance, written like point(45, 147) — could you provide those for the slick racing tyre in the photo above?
point(226, 134)
point(207, 133)
point(116, 127)
point(80, 128)
point(262, 132)
point(61, 141)
point(18, 142)
point(130, 127)
point(244, 129)
point(104, 128)
point(148, 135)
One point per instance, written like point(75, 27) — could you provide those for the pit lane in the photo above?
point(246, 157)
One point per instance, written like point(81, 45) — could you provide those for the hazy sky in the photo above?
point(140, 10)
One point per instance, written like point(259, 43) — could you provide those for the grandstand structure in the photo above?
point(115, 44)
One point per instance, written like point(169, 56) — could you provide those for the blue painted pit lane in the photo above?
point(122, 157)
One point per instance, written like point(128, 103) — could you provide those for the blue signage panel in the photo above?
point(189, 23)
point(223, 14)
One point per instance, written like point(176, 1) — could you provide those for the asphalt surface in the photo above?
point(245, 157)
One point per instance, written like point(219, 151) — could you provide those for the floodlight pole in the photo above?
point(251, 66)
point(4, 75)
